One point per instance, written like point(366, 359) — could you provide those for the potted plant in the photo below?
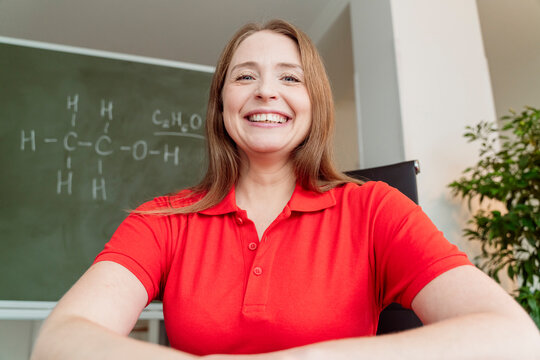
point(508, 172)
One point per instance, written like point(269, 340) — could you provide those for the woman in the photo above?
point(275, 253)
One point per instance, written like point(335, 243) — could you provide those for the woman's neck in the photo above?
point(263, 190)
point(260, 183)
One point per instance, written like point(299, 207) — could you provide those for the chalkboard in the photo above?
point(83, 136)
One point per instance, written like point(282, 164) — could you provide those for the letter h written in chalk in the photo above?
point(64, 182)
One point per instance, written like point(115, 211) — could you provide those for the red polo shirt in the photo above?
point(323, 269)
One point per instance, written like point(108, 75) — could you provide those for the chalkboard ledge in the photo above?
point(39, 310)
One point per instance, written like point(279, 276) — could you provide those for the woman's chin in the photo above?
point(268, 149)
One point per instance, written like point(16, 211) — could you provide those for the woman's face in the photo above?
point(266, 106)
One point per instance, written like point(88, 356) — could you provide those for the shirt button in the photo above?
point(239, 220)
point(257, 270)
point(252, 246)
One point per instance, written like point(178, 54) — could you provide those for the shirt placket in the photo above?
point(260, 259)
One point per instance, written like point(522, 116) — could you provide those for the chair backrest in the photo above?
point(402, 176)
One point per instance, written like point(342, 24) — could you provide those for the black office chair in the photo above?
point(402, 176)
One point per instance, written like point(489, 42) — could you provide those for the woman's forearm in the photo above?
point(475, 336)
point(77, 338)
point(478, 336)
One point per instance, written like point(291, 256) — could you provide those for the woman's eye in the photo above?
point(290, 78)
point(244, 77)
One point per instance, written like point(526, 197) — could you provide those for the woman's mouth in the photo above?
point(267, 118)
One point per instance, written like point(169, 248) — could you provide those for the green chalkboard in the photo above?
point(83, 137)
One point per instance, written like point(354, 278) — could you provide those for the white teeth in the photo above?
point(275, 118)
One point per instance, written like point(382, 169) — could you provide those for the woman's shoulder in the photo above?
point(369, 188)
point(370, 194)
point(183, 198)
point(179, 199)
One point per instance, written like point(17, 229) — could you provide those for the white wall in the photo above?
point(511, 32)
point(380, 135)
point(336, 49)
point(16, 338)
point(444, 85)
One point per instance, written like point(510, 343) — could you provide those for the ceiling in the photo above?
point(183, 30)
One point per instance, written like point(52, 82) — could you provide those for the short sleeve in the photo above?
point(140, 245)
point(409, 250)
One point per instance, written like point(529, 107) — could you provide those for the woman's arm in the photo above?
point(95, 316)
point(467, 316)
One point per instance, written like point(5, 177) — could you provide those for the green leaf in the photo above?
point(510, 271)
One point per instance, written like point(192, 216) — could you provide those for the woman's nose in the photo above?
point(266, 90)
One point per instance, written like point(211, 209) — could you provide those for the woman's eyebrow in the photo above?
point(253, 64)
point(248, 64)
point(291, 66)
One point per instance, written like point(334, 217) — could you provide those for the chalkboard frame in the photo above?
point(106, 54)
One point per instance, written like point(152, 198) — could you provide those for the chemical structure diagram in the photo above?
point(103, 146)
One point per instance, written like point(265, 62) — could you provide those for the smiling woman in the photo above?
point(275, 254)
point(266, 105)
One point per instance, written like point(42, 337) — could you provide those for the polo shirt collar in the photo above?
point(227, 205)
point(305, 200)
point(301, 200)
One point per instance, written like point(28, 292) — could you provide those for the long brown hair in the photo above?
point(312, 159)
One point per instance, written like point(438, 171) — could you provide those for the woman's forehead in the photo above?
point(265, 47)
